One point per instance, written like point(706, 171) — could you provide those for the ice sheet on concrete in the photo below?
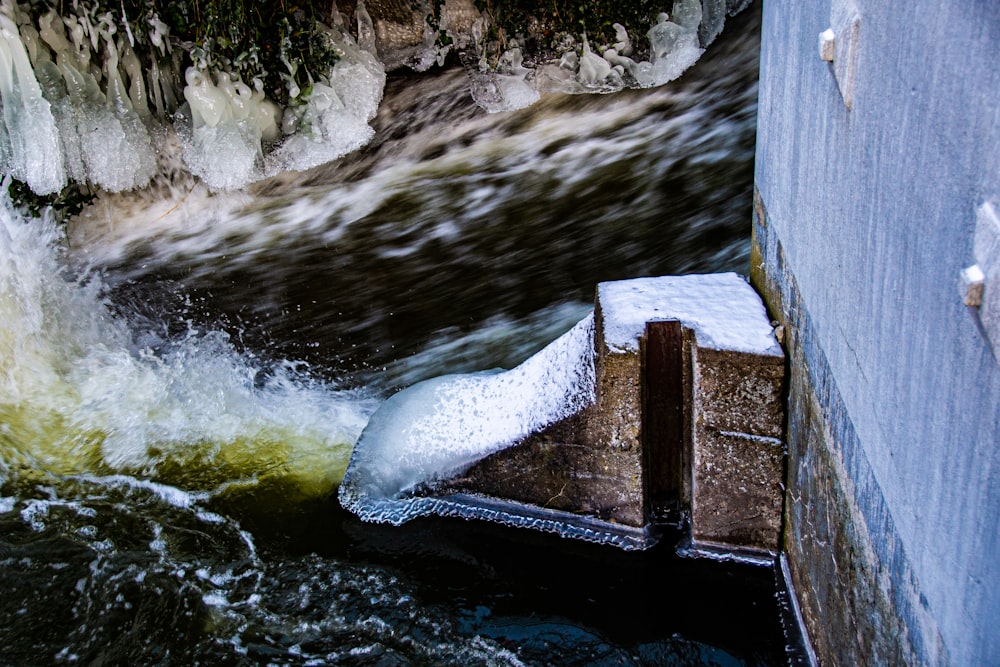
point(437, 428)
point(723, 309)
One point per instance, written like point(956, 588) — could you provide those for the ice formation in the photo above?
point(29, 140)
point(79, 105)
point(88, 97)
point(230, 124)
point(334, 121)
point(677, 40)
point(438, 428)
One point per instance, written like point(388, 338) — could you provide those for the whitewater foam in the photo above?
point(80, 395)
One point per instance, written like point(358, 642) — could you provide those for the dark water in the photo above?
point(155, 584)
point(168, 476)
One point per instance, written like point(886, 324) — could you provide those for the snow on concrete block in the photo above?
point(560, 442)
point(722, 308)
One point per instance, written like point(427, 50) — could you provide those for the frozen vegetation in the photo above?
point(92, 97)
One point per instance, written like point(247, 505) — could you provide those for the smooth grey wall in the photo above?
point(875, 209)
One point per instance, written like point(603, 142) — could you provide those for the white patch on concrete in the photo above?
point(723, 309)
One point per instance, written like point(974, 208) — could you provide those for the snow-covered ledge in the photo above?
point(663, 405)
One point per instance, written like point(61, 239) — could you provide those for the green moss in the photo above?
point(63, 204)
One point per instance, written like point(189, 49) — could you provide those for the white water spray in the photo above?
point(81, 392)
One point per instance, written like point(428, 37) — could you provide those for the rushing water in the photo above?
point(183, 375)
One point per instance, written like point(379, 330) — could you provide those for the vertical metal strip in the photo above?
point(663, 419)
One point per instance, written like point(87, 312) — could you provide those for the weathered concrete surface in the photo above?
point(893, 528)
point(737, 493)
point(740, 392)
point(857, 592)
point(738, 455)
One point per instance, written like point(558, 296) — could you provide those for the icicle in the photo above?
point(79, 30)
point(713, 19)
point(624, 45)
point(156, 87)
point(159, 37)
point(128, 28)
point(35, 154)
point(46, 71)
point(207, 103)
point(593, 68)
point(137, 82)
point(223, 144)
point(366, 29)
point(118, 98)
point(336, 17)
point(622, 64)
point(265, 113)
point(238, 96)
point(135, 162)
point(50, 78)
point(72, 59)
point(54, 37)
point(289, 78)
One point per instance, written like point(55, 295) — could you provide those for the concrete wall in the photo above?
point(863, 220)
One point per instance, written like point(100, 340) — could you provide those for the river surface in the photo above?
point(184, 374)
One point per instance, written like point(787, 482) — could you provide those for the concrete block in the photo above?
point(564, 468)
point(720, 447)
point(590, 463)
point(700, 444)
point(737, 491)
point(740, 392)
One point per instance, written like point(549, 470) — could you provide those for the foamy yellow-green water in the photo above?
point(85, 392)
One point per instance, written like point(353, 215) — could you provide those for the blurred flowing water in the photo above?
point(483, 233)
point(184, 374)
